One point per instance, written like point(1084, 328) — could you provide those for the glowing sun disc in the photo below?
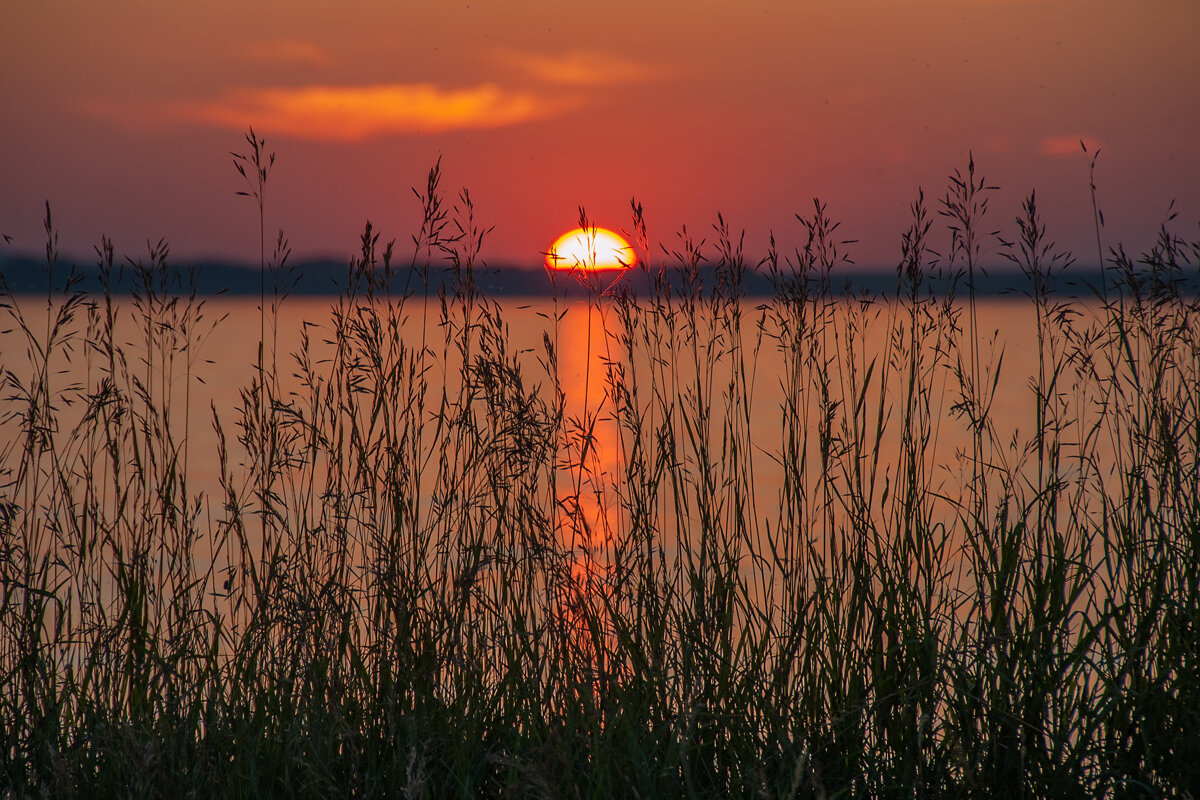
point(591, 249)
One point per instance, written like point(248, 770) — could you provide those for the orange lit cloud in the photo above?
point(583, 68)
point(354, 113)
point(1068, 145)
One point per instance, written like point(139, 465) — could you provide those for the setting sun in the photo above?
point(590, 249)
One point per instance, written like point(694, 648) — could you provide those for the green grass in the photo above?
point(402, 591)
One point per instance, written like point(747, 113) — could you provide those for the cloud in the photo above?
point(583, 68)
point(1068, 144)
point(354, 113)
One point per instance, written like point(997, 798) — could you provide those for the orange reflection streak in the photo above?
point(591, 249)
point(588, 499)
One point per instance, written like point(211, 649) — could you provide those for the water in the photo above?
point(223, 363)
point(741, 409)
point(549, 449)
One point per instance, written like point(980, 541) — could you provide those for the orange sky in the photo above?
point(123, 113)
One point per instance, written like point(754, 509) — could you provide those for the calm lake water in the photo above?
point(725, 409)
point(224, 353)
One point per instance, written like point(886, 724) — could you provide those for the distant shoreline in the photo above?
point(26, 275)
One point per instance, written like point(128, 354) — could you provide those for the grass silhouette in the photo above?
point(404, 588)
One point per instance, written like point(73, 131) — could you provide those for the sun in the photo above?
point(590, 249)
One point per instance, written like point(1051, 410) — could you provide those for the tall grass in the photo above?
point(436, 568)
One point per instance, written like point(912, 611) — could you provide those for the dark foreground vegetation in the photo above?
point(404, 588)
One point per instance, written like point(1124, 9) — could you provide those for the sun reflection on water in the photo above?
point(588, 506)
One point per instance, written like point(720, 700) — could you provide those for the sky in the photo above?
point(123, 115)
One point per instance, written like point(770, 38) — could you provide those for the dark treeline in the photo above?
point(26, 274)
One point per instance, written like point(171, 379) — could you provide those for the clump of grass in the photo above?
point(434, 568)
